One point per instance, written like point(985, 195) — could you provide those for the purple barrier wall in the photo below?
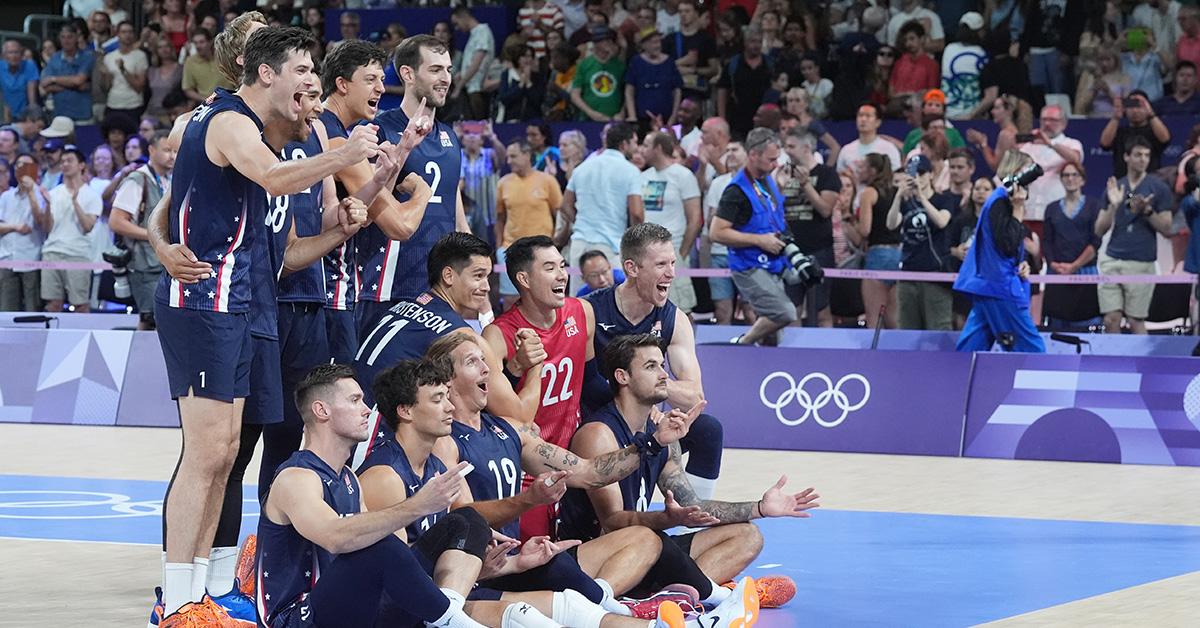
point(823, 400)
point(1085, 408)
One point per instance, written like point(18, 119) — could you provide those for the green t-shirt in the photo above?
point(601, 85)
point(953, 137)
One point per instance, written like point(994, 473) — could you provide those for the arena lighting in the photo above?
point(37, 318)
point(1076, 341)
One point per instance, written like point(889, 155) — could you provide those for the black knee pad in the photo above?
point(464, 530)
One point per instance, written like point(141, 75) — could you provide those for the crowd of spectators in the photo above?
point(691, 78)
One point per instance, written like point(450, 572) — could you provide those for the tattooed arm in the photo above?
point(774, 503)
point(538, 456)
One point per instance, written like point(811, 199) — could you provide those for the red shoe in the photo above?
point(247, 566)
point(773, 591)
point(204, 614)
point(648, 608)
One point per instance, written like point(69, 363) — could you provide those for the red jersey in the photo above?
point(562, 372)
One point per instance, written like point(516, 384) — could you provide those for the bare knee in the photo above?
point(748, 539)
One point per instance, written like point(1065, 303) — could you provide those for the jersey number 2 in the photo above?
point(564, 391)
point(434, 169)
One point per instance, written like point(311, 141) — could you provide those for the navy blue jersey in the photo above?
point(495, 451)
point(289, 564)
point(390, 453)
point(391, 270)
point(403, 332)
point(340, 278)
point(610, 323)
point(210, 209)
point(267, 257)
point(578, 518)
point(307, 285)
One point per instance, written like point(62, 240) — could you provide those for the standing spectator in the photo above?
point(667, 19)
point(136, 198)
point(21, 238)
point(1143, 123)
point(10, 145)
point(810, 190)
point(854, 154)
point(742, 85)
point(557, 103)
point(961, 164)
point(350, 25)
point(923, 247)
point(573, 148)
point(880, 76)
point(18, 80)
point(720, 289)
point(795, 48)
point(527, 202)
point(603, 197)
point(598, 90)
point(74, 209)
point(1042, 38)
point(200, 72)
point(123, 75)
point(1185, 101)
point(100, 34)
point(482, 158)
point(772, 30)
point(749, 221)
point(520, 94)
point(870, 230)
point(729, 38)
point(671, 198)
point(796, 103)
point(536, 19)
point(653, 86)
point(1005, 111)
point(1161, 18)
point(574, 15)
point(477, 58)
point(1190, 208)
point(174, 22)
point(858, 56)
point(165, 76)
point(817, 88)
point(930, 22)
point(546, 156)
point(1188, 46)
point(1052, 150)
point(687, 128)
point(67, 77)
point(1139, 208)
point(1069, 239)
point(1102, 85)
point(1005, 74)
point(962, 61)
point(1143, 65)
point(116, 14)
point(933, 107)
point(714, 138)
point(915, 71)
point(694, 51)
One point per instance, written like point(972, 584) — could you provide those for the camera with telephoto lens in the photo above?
point(119, 257)
point(1024, 176)
point(802, 269)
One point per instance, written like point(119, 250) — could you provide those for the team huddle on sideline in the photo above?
point(415, 471)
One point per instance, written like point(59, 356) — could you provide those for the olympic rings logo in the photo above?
point(812, 404)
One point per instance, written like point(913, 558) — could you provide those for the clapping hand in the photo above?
point(776, 503)
point(1139, 204)
point(1114, 192)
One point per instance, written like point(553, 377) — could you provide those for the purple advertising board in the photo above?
point(896, 402)
point(1085, 408)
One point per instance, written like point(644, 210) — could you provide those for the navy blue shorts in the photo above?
point(367, 313)
point(342, 333)
point(303, 342)
point(264, 405)
point(207, 353)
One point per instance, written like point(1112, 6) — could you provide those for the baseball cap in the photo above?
point(78, 152)
point(54, 144)
point(972, 20)
point(647, 33)
point(60, 126)
point(935, 95)
point(602, 33)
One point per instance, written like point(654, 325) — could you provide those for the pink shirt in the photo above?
point(914, 74)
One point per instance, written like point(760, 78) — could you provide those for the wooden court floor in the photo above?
point(56, 583)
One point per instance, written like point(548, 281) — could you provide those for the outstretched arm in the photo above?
point(774, 502)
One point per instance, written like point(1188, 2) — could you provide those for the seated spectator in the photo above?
point(653, 85)
point(18, 80)
point(598, 89)
point(1138, 208)
point(915, 71)
point(962, 61)
point(1143, 123)
point(200, 72)
point(1101, 86)
point(598, 273)
point(73, 211)
point(520, 93)
point(165, 76)
point(1185, 101)
point(931, 24)
point(67, 77)
point(1143, 65)
point(21, 238)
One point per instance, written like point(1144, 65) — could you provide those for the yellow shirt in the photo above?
point(528, 205)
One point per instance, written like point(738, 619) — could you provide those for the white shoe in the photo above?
point(739, 610)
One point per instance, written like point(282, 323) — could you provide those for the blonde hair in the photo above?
point(230, 43)
point(444, 346)
point(1011, 163)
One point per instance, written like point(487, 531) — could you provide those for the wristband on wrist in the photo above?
point(646, 444)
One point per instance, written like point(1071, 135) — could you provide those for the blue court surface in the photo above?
point(851, 568)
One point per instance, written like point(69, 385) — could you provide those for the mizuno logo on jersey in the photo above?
point(607, 326)
point(445, 137)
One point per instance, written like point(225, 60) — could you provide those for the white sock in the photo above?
point(454, 617)
point(609, 602)
point(522, 615)
point(719, 593)
point(177, 586)
point(703, 487)
point(222, 568)
point(163, 570)
point(571, 608)
point(199, 577)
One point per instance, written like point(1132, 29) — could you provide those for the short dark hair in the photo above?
point(619, 354)
point(522, 145)
point(462, 9)
point(544, 129)
point(637, 237)
point(159, 135)
point(409, 51)
point(1185, 64)
point(961, 153)
point(875, 108)
point(317, 382)
point(664, 142)
point(398, 385)
point(345, 59)
point(200, 30)
point(912, 26)
point(455, 250)
point(123, 23)
point(518, 257)
point(9, 129)
point(1137, 141)
point(271, 46)
point(590, 255)
point(618, 133)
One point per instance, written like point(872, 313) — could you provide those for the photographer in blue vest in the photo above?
point(995, 272)
point(750, 221)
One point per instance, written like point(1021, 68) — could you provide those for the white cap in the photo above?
point(60, 126)
point(972, 20)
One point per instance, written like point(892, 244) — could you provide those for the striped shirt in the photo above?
point(547, 18)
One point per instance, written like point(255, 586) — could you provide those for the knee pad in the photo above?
point(571, 608)
point(468, 532)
